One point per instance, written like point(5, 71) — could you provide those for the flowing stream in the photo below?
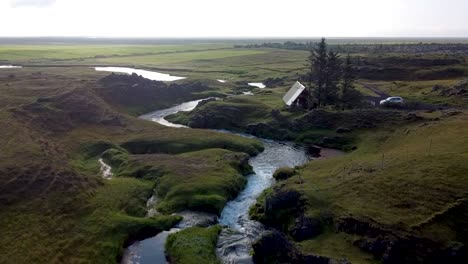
point(10, 67)
point(152, 75)
point(106, 170)
point(235, 241)
point(158, 116)
point(258, 85)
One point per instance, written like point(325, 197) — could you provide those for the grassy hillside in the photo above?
point(56, 208)
point(403, 182)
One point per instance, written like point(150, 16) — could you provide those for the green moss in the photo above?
point(257, 211)
point(193, 245)
point(116, 158)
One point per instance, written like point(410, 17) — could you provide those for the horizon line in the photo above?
point(237, 37)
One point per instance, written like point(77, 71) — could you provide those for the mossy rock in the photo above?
point(284, 173)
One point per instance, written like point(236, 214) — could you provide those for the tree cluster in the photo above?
point(330, 79)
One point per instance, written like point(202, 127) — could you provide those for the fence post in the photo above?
point(430, 147)
point(344, 172)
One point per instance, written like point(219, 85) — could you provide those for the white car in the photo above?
point(394, 100)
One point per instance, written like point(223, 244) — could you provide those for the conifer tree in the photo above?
point(333, 75)
point(350, 97)
point(317, 71)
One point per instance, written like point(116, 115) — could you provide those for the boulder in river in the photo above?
point(313, 150)
point(200, 219)
point(274, 247)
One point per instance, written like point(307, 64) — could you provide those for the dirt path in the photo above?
point(380, 94)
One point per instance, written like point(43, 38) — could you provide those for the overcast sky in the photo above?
point(235, 18)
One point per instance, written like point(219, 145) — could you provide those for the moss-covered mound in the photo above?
point(283, 173)
point(193, 245)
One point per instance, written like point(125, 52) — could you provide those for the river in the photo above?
point(234, 245)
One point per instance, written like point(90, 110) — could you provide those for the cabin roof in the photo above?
point(293, 93)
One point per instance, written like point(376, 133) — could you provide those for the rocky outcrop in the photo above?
point(393, 249)
point(274, 247)
point(306, 228)
point(459, 90)
point(282, 205)
point(343, 130)
point(313, 150)
point(283, 173)
point(363, 227)
point(277, 207)
point(394, 246)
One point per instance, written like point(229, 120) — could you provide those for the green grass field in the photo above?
point(205, 61)
point(67, 52)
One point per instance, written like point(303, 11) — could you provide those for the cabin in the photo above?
point(296, 96)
